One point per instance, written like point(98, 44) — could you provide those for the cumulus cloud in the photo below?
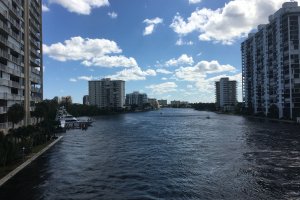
point(201, 69)
point(151, 24)
point(194, 1)
point(163, 71)
point(132, 74)
point(92, 52)
point(112, 15)
point(182, 60)
point(163, 88)
point(198, 74)
point(45, 8)
point(82, 7)
point(225, 25)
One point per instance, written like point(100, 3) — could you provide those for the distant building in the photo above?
point(56, 99)
point(107, 93)
point(85, 100)
point(66, 100)
point(136, 98)
point(226, 95)
point(270, 65)
point(175, 104)
point(180, 104)
point(154, 103)
point(163, 103)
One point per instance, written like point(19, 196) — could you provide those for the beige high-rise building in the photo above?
point(21, 76)
point(226, 95)
point(107, 93)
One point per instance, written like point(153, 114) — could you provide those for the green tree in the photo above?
point(15, 113)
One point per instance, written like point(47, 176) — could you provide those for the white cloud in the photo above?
point(235, 20)
point(182, 60)
point(164, 78)
point(134, 73)
point(72, 80)
point(201, 69)
point(181, 42)
point(86, 78)
point(163, 88)
point(163, 71)
point(82, 7)
point(111, 61)
point(194, 1)
point(92, 52)
point(45, 8)
point(198, 74)
point(151, 24)
point(112, 15)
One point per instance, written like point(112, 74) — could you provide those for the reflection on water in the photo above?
point(179, 154)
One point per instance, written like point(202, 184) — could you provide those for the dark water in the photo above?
point(178, 154)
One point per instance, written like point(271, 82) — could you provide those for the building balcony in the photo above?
point(11, 71)
point(11, 97)
point(37, 17)
point(35, 53)
point(4, 54)
point(4, 27)
point(36, 90)
point(10, 83)
point(15, 35)
point(3, 40)
point(35, 62)
point(14, 22)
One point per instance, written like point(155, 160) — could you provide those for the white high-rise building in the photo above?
point(136, 98)
point(226, 95)
point(21, 71)
point(107, 93)
point(271, 67)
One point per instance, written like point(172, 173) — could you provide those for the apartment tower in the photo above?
point(136, 98)
point(226, 95)
point(270, 65)
point(107, 93)
point(21, 76)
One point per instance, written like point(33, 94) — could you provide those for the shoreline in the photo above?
point(27, 162)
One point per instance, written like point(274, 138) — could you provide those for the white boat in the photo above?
point(69, 121)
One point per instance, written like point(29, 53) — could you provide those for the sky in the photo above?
point(169, 49)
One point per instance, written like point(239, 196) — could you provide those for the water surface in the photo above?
point(167, 154)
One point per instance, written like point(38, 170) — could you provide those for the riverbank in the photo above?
point(11, 170)
point(260, 118)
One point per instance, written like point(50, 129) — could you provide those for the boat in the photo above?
point(69, 121)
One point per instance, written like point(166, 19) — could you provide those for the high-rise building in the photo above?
point(163, 102)
point(226, 95)
point(136, 98)
point(21, 75)
point(107, 93)
point(85, 100)
point(271, 68)
point(66, 100)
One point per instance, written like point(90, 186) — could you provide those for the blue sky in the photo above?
point(170, 49)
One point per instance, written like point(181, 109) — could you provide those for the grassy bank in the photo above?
point(7, 169)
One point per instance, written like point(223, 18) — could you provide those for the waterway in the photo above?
point(167, 154)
